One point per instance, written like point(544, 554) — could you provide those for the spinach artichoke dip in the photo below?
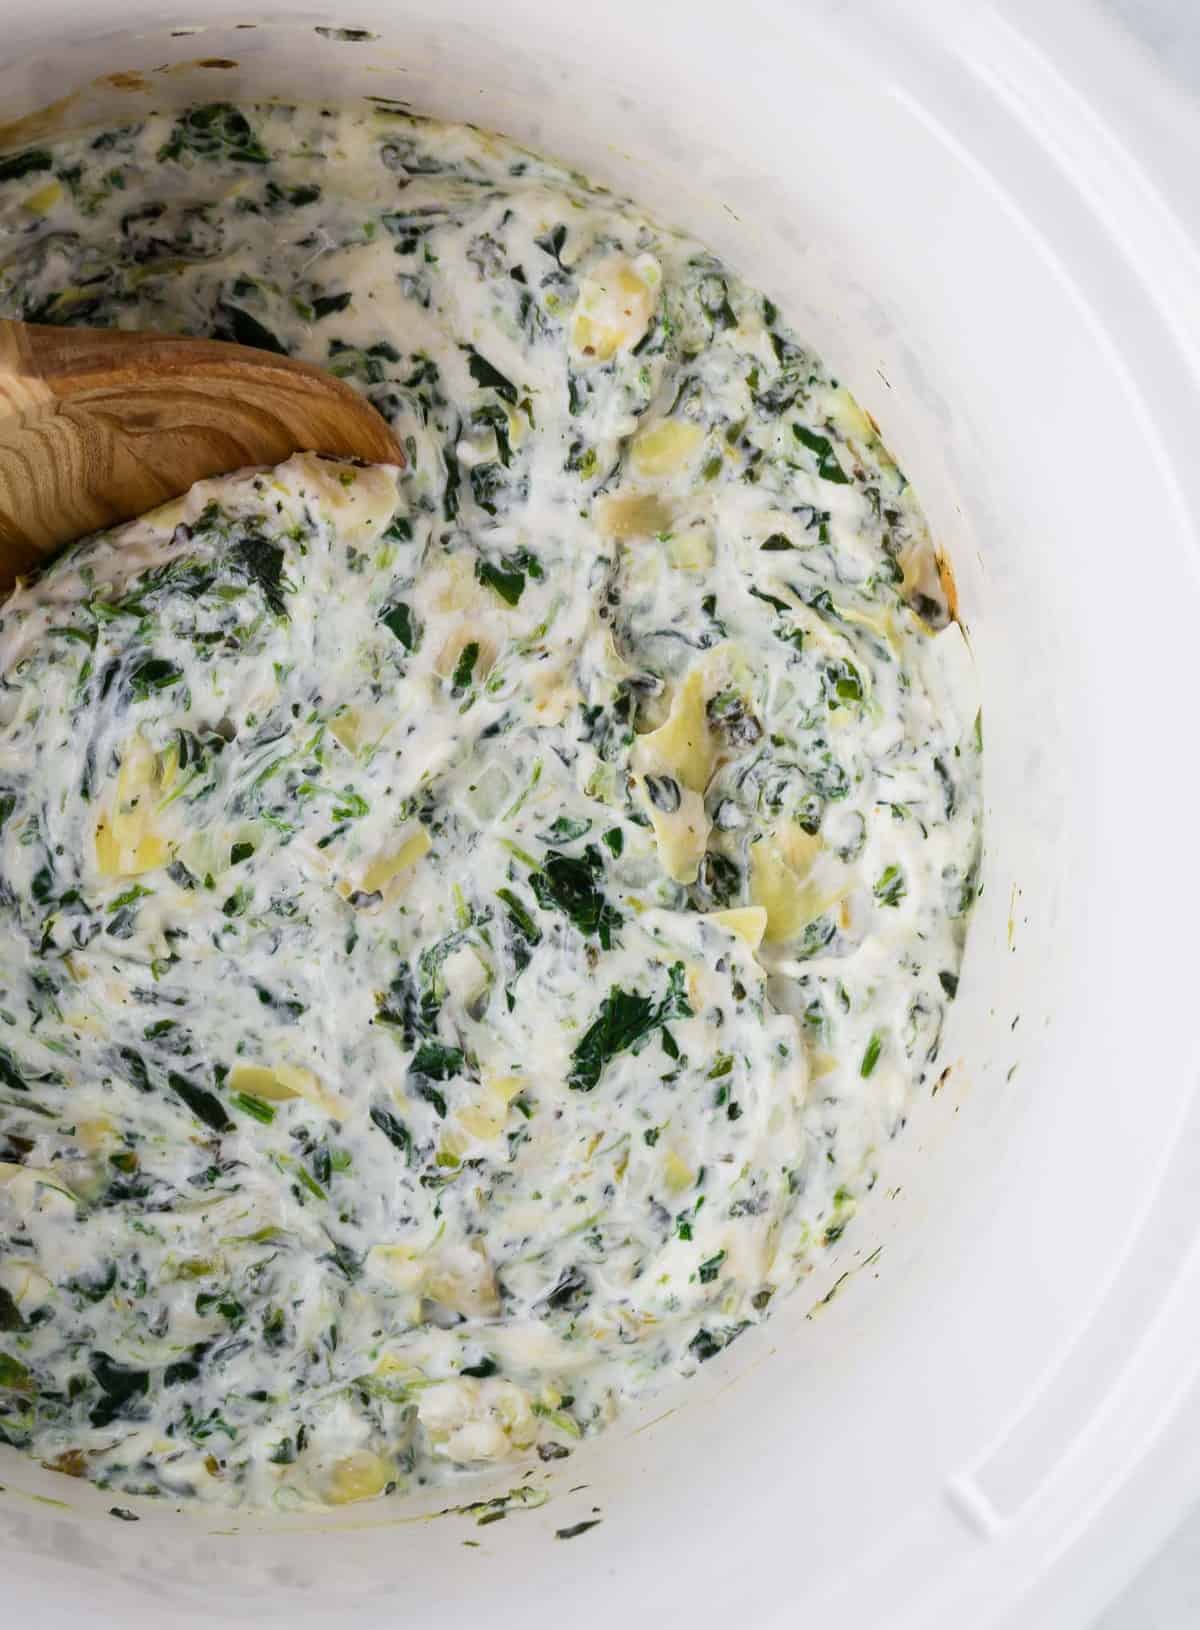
point(469, 930)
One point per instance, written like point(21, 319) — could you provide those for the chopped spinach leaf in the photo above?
point(626, 1018)
point(261, 562)
point(394, 1130)
point(204, 1105)
point(828, 467)
point(155, 674)
point(464, 669)
point(398, 620)
point(508, 582)
point(233, 323)
point(122, 1388)
point(484, 374)
point(437, 1062)
point(325, 305)
point(216, 131)
point(30, 162)
point(571, 884)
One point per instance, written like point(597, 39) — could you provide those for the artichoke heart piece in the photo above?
point(346, 729)
point(746, 923)
point(485, 1117)
point(667, 447)
point(358, 1476)
point(388, 867)
point(276, 1083)
point(363, 497)
point(616, 304)
point(463, 1279)
point(784, 881)
point(633, 514)
point(127, 840)
point(674, 764)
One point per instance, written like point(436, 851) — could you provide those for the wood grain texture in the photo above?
point(100, 425)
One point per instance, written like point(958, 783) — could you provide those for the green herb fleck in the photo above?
point(520, 916)
point(465, 668)
point(871, 1055)
point(710, 1269)
point(890, 887)
point(254, 1107)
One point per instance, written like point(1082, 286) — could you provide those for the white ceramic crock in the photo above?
point(985, 216)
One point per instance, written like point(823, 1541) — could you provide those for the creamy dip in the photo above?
point(470, 930)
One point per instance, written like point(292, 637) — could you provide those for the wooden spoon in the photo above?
point(100, 425)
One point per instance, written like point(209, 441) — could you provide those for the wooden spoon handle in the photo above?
point(99, 425)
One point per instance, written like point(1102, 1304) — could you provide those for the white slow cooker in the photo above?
point(984, 215)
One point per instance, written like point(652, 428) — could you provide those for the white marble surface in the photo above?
point(1166, 1594)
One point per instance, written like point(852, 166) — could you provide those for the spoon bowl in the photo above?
point(100, 425)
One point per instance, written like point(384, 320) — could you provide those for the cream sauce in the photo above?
point(470, 930)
